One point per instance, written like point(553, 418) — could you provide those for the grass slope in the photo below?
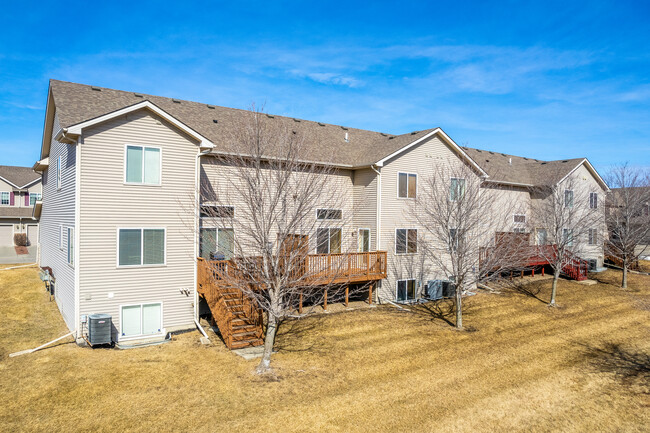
point(523, 367)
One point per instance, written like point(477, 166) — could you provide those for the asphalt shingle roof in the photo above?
point(76, 103)
point(519, 169)
point(19, 176)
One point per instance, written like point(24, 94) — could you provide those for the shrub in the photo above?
point(20, 239)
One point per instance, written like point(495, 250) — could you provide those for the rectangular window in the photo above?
point(406, 241)
point(405, 290)
point(58, 173)
point(593, 200)
point(456, 189)
point(5, 198)
point(568, 198)
point(407, 185)
point(593, 236)
point(61, 237)
point(541, 238)
point(328, 241)
point(519, 218)
point(567, 234)
point(34, 197)
point(141, 319)
point(142, 165)
point(138, 247)
point(363, 241)
point(71, 246)
point(329, 214)
point(212, 211)
point(519, 230)
point(221, 242)
point(453, 240)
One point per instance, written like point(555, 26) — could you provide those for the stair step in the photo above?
point(246, 343)
point(246, 327)
point(239, 336)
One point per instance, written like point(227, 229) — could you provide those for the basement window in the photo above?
point(329, 214)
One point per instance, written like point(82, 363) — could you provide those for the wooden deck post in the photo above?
point(325, 300)
point(522, 274)
point(370, 293)
point(300, 304)
point(347, 292)
point(542, 271)
point(368, 265)
point(533, 274)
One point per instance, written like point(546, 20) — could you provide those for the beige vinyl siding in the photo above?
point(511, 198)
point(585, 182)
point(219, 178)
point(365, 203)
point(59, 210)
point(107, 203)
point(422, 160)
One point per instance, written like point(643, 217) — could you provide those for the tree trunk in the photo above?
point(556, 276)
point(269, 341)
point(624, 282)
point(459, 308)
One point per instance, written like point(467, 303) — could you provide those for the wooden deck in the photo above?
point(240, 320)
point(538, 255)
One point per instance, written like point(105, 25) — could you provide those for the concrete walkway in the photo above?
point(8, 255)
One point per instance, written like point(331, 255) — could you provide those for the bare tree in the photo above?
point(628, 216)
point(569, 224)
point(264, 207)
point(460, 217)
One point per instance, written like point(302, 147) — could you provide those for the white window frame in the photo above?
point(58, 173)
point(70, 252)
point(216, 236)
point(407, 241)
point(594, 194)
point(61, 236)
point(329, 239)
point(328, 209)
point(38, 196)
point(566, 205)
point(415, 290)
point(568, 238)
point(407, 185)
point(8, 195)
point(514, 218)
point(464, 188)
point(141, 265)
point(135, 337)
point(213, 204)
point(592, 237)
point(143, 147)
point(359, 230)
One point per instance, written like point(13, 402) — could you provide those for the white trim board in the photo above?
point(76, 129)
point(449, 141)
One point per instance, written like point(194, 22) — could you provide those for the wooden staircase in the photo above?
point(575, 268)
point(238, 318)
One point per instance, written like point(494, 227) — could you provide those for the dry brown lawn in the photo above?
point(521, 366)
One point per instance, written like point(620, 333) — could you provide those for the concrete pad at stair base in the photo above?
point(588, 282)
point(249, 353)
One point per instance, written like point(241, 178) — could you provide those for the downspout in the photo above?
point(197, 203)
point(378, 223)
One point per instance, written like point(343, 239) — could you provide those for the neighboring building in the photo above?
point(640, 222)
point(116, 233)
point(20, 189)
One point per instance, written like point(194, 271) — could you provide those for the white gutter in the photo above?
point(378, 226)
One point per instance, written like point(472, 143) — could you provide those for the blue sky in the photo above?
point(549, 80)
